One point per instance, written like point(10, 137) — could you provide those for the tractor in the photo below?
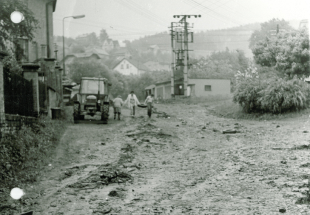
point(92, 99)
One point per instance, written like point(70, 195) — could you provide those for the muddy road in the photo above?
point(178, 163)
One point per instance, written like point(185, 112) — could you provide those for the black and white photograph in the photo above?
point(154, 107)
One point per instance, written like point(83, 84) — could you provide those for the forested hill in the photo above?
point(205, 42)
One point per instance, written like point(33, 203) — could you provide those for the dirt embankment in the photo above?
point(178, 163)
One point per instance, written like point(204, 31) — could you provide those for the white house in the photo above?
point(130, 67)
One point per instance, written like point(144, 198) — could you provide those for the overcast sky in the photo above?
point(131, 19)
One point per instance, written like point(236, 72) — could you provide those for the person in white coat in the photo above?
point(132, 101)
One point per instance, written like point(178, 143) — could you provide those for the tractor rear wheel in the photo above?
point(105, 112)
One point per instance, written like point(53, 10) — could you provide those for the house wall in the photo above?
point(218, 86)
point(107, 45)
point(159, 92)
point(196, 88)
point(167, 94)
point(38, 7)
point(122, 68)
point(52, 101)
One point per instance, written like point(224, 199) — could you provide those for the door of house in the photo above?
point(178, 89)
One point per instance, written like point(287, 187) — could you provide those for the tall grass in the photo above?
point(272, 96)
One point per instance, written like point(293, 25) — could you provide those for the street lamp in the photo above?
point(63, 37)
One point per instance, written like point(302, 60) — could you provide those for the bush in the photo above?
point(22, 155)
point(247, 94)
point(272, 96)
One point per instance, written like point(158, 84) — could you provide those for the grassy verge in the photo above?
point(229, 109)
point(223, 106)
point(24, 155)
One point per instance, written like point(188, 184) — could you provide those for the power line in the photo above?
point(140, 12)
point(209, 9)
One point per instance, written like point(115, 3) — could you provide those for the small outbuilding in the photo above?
point(199, 87)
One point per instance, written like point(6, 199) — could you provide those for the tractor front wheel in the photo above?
point(76, 111)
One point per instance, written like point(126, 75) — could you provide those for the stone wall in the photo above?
point(13, 123)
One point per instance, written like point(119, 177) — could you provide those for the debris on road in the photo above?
point(162, 115)
point(215, 130)
point(104, 175)
point(230, 131)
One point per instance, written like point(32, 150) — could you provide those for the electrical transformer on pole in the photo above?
point(183, 51)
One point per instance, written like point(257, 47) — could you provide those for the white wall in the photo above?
point(126, 68)
point(218, 86)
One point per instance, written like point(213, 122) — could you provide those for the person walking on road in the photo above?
point(117, 105)
point(132, 102)
point(149, 102)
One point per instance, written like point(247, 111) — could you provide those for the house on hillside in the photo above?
point(121, 53)
point(100, 52)
point(110, 44)
point(81, 38)
point(94, 54)
point(116, 44)
point(42, 45)
point(199, 87)
point(304, 24)
point(157, 66)
point(130, 67)
point(153, 48)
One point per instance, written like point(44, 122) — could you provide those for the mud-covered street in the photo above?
point(177, 163)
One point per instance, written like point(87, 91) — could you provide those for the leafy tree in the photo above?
point(78, 49)
point(219, 65)
point(88, 68)
point(9, 30)
point(287, 52)
point(266, 27)
point(293, 57)
point(11, 63)
point(103, 35)
point(138, 84)
point(89, 40)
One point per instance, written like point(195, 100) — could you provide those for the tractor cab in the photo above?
point(92, 98)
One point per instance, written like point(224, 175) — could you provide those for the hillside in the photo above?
point(206, 42)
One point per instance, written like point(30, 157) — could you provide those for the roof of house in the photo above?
point(150, 87)
point(121, 50)
point(108, 40)
point(116, 43)
point(98, 51)
point(54, 5)
point(137, 64)
point(166, 82)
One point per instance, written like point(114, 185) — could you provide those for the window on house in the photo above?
point(122, 66)
point(207, 87)
point(127, 66)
